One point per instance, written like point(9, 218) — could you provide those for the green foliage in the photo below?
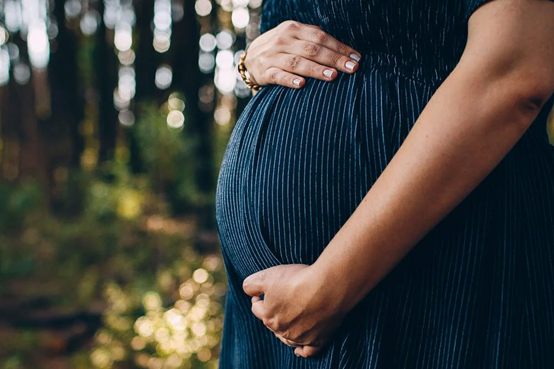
point(121, 253)
point(168, 156)
point(179, 325)
point(16, 201)
point(116, 194)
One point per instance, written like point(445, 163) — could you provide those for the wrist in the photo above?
point(335, 285)
point(245, 74)
point(248, 68)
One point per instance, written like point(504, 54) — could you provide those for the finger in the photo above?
point(279, 76)
point(289, 342)
point(316, 35)
point(307, 351)
point(325, 56)
point(259, 310)
point(302, 66)
point(254, 285)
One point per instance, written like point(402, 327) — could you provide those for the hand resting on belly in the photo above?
point(291, 50)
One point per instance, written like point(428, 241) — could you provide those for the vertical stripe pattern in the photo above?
point(475, 292)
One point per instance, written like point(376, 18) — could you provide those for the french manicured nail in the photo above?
point(350, 65)
point(296, 82)
point(328, 73)
point(355, 57)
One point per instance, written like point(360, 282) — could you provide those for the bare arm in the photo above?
point(477, 115)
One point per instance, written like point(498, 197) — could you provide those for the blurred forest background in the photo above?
point(114, 117)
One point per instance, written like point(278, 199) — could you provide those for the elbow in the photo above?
point(533, 93)
point(522, 94)
point(518, 83)
point(511, 56)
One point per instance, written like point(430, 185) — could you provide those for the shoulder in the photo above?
point(512, 38)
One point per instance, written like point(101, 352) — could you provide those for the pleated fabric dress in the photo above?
point(476, 292)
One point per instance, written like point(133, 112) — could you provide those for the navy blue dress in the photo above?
point(476, 292)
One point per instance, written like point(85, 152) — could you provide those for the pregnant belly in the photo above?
point(297, 165)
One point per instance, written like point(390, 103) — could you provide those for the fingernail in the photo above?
point(355, 57)
point(296, 82)
point(350, 65)
point(328, 73)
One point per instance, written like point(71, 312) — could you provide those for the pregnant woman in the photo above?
point(399, 213)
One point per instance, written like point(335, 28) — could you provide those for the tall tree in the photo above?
point(106, 81)
point(146, 62)
point(188, 78)
point(63, 141)
point(67, 100)
point(147, 58)
point(23, 151)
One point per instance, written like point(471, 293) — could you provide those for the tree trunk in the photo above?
point(198, 124)
point(106, 81)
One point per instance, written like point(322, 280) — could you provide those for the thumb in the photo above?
point(307, 351)
point(254, 285)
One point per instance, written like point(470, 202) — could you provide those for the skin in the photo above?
point(292, 50)
point(475, 117)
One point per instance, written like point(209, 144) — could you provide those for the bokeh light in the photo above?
point(175, 119)
point(21, 73)
point(38, 45)
point(224, 39)
point(72, 8)
point(126, 83)
point(203, 7)
point(89, 22)
point(240, 17)
point(164, 77)
point(123, 38)
point(206, 62)
point(207, 42)
point(126, 118)
point(3, 35)
point(175, 102)
point(162, 40)
point(126, 57)
point(4, 66)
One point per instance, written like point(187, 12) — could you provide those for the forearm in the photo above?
point(465, 130)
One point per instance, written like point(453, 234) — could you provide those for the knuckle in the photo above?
point(337, 59)
point(257, 64)
point(321, 36)
point(279, 40)
point(311, 48)
point(276, 324)
point(343, 49)
point(271, 74)
point(269, 322)
point(264, 61)
point(318, 70)
point(293, 62)
point(291, 25)
point(286, 335)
